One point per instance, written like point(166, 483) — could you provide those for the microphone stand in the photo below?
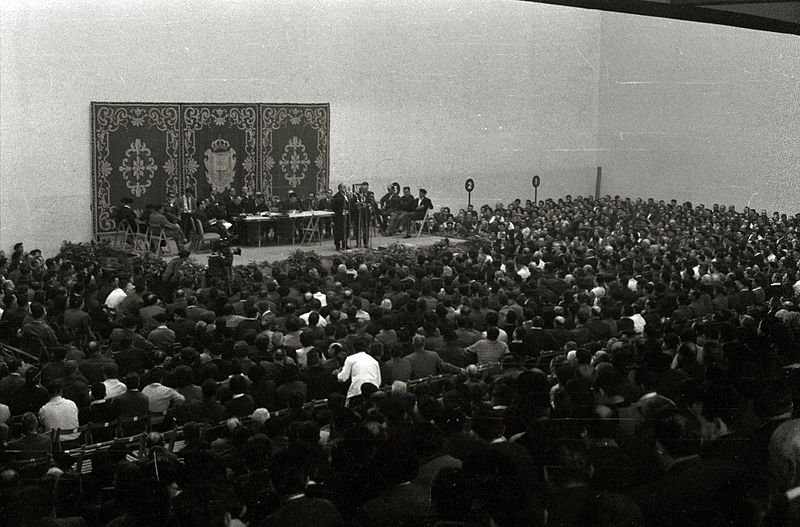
point(346, 233)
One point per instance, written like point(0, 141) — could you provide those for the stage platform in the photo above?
point(273, 253)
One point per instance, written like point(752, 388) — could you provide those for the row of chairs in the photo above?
point(93, 433)
point(130, 433)
point(146, 238)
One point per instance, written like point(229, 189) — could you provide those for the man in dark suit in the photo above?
point(340, 205)
point(124, 214)
point(132, 403)
point(92, 366)
point(320, 382)
point(241, 404)
point(129, 359)
point(426, 363)
point(407, 203)
point(423, 206)
point(293, 202)
point(197, 313)
point(206, 410)
point(12, 381)
point(31, 441)
point(158, 220)
point(364, 207)
point(181, 325)
point(388, 204)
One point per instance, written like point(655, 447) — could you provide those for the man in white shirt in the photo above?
point(113, 385)
point(59, 413)
point(160, 397)
point(115, 297)
point(359, 368)
point(315, 307)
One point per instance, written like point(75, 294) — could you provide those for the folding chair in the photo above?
point(423, 224)
point(159, 239)
point(141, 238)
point(100, 432)
point(133, 425)
point(311, 230)
point(203, 237)
point(122, 235)
point(71, 443)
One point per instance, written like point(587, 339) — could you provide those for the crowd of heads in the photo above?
point(646, 376)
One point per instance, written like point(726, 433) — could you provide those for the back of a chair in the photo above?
point(133, 425)
point(99, 432)
point(58, 435)
point(199, 226)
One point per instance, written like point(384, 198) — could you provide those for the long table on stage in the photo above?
point(309, 222)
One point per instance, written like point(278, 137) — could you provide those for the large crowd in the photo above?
point(582, 362)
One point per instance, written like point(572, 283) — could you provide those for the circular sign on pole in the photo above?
point(536, 181)
point(469, 185)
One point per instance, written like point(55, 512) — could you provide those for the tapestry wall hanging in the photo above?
point(145, 150)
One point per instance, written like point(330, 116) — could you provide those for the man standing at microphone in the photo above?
point(365, 206)
point(340, 205)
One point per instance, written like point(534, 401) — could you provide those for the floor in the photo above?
point(272, 253)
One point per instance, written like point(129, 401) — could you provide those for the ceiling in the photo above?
point(764, 15)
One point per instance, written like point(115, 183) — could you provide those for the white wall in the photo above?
point(424, 93)
point(699, 112)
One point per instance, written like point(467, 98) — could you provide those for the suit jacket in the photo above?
point(92, 368)
point(179, 302)
point(425, 363)
point(8, 384)
point(130, 404)
point(340, 204)
point(123, 213)
point(162, 337)
point(160, 220)
point(131, 360)
point(182, 328)
point(202, 411)
point(115, 340)
point(197, 313)
point(240, 406)
point(320, 382)
point(40, 443)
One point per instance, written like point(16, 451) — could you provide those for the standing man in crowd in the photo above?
point(363, 209)
point(340, 205)
point(360, 368)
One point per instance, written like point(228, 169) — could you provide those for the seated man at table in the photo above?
point(159, 221)
point(293, 202)
point(248, 201)
point(261, 204)
point(275, 204)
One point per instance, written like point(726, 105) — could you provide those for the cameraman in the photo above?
point(220, 263)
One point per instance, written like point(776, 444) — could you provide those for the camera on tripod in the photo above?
point(221, 257)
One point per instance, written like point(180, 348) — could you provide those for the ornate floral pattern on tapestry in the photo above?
point(135, 154)
point(143, 150)
point(294, 148)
